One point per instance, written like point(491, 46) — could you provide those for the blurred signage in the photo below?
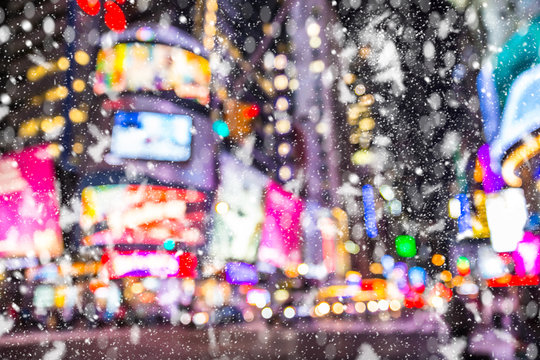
point(280, 242)
point(238, 214)
point(29, 205)
point(519, 118)
point(239, 273)
point(141, 214)
point(239, 116)
point(138, 67)
point(120, 264)
point(151, 136)
point(506, 215)
point(527, 255)
point(370, 217)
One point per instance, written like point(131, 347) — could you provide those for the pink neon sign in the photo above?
point(280, 242)
point(29, 205)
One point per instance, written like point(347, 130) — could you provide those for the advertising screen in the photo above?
point(152, 67)
point(141, 214)
point(151, 136)
point(119, 264)
point(280, 241)
point(29, 205)
point(506, 215)
point(239, 213)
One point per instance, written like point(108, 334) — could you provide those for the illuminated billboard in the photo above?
point(280, 240)
point(141, 214)
point(120, 264)
point(238, 212)
point(29, 205)
point(151, 136)
point(144, 67)
point(506, 215)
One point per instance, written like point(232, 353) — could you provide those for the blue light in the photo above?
point(169, 244)
point(370, 219)
point(221, 128)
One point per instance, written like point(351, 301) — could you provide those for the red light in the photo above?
point(513, 280)
point(91, 7)
point(114, 17)
point(251, 111)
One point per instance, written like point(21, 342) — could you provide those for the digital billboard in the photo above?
point(120, 264)
point(280, 240)
point(141, 214)
point(145, 67)
point(151, 136)
point(29, 205)
point(238, 213)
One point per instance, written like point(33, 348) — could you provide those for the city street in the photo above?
point(419, 338)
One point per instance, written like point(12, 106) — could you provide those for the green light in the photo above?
point(463, 265)
point(169, 244)
point(405, 246)
point(221, 128)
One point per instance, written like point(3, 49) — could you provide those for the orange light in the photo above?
point(438, 260)
point(524, 152)
point(446, 276)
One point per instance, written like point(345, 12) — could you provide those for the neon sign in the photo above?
point(120, 264)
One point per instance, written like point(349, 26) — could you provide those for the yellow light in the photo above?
point(222, 208)
point(446, 276)
point(77, 116)
point(78, 85)
point(362, 157)
point(29, 128)
point(281, 82)
point(395, 305)
point(78, 148)
point(524, 152)
point(137, 288)
point(289, 312)
point(294, 84)
point(372, 306)
point(280, 62)
point(303, 268)
point(322, 309)
point(284, 149)
point(315, 42)
point(366, 100)
point(366, 124)
point(81, 57)
point(364, 52)
point(51, 124)
point(36, 72)
point(376, 268)
point(457, 281)
point(200, 318)
point(313, 29)
point(282, 104)
point(359, 89)
point(281, 295)
point(360, 307)
point(285, 173)
point(349, 78)
point(283, 126)
point(63, 63)
point(316, 66)
point(337, 308)
point(54, 150)
point(212, 5)
point(454, 208)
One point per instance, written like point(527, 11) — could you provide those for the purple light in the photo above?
point(492, 182)
point(526, 257)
